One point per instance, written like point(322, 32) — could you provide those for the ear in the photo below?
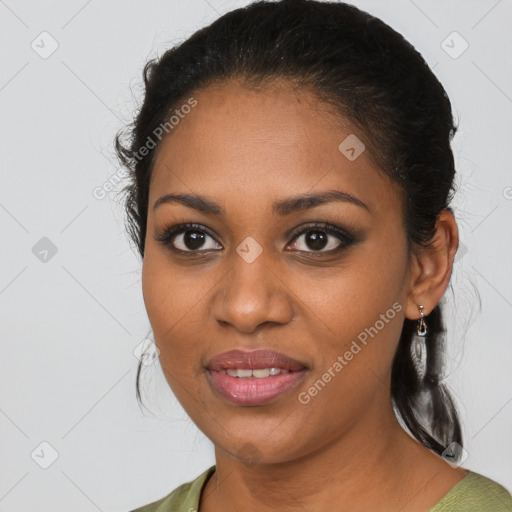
point(431, 267)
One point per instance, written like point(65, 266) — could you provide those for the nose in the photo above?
point(252, 294)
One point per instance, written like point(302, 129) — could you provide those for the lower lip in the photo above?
point(251, 390)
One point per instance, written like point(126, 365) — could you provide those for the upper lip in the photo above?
point(253, 360)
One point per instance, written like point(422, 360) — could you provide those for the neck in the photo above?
point(356, 469)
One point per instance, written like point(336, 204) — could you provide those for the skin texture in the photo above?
point(245, 148)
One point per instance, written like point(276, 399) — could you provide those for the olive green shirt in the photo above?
point(474, 493)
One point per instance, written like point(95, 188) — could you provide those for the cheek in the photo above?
point(172, 306)
point(360, 309)
point(171, 294)
point(352, 298)
point(174, 298)
point(169, 299)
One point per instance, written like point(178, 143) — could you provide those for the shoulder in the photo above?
point(184, 498)
point(475, 493)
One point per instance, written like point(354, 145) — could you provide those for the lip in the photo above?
point(251, 390)
point(253, 360)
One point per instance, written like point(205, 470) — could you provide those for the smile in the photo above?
point(249, 389)
point(259, 374)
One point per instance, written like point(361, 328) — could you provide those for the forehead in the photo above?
point(240, 142)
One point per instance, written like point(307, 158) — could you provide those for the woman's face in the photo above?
point(254, 276)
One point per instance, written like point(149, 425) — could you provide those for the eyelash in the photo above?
point(170, 232)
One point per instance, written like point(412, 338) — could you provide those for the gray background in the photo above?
point(70, 321)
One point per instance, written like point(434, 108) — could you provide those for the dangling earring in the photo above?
point(422, 326)
point(419, 348)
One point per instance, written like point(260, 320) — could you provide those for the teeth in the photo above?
point(259, 373)
point(265, 372)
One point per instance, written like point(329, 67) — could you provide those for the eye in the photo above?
point(188, 238)
point(320, 237)
point(195, 238)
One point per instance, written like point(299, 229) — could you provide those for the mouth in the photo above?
point(257, 373)
point(254, 378)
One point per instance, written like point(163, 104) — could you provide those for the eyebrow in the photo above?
point(280, 207)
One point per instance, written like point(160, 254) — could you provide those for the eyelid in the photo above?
point(169, 233)
point(344, 236)
point(321, 226)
